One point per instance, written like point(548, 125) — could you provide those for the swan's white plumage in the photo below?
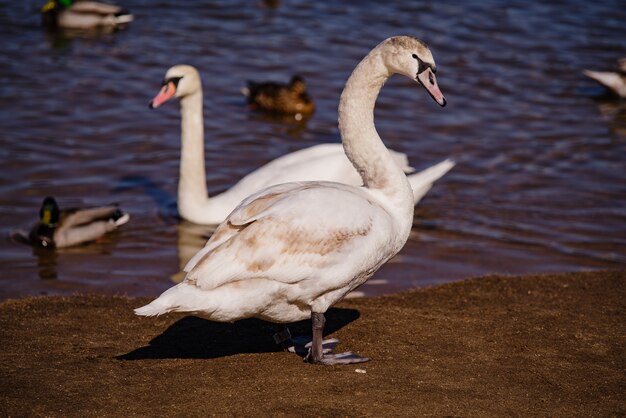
point(297, 248)
point(268, 245)
point(323, 162)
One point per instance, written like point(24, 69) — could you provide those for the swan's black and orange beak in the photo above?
point(168, 90)
point(427, 79)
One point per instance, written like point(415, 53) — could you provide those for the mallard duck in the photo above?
point(65, 228)
point(291, 251)
point(274, 97)
point(615, 81)
point(70, 14)
point(326, 162)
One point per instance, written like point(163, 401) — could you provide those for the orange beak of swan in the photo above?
point(167, 92)
point(427, 79)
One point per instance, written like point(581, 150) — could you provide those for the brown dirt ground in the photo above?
point(551, 345)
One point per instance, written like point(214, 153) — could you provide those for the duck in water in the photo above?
point(85, 15)
point(272, 97)
point(65, 228)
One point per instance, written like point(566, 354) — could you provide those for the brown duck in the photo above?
point(275, 97)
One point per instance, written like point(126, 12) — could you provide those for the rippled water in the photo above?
point(540, 184)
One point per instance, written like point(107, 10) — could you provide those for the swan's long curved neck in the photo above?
point(192, 190)
point(360, 140)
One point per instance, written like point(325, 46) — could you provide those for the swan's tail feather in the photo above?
point(167, 302)
point(180, 298)
point(154, 308)
point(422, 182)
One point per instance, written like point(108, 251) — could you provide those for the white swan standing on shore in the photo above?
point(324, 162)
point(291, 251)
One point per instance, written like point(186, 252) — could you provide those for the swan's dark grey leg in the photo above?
point(300, 345)
point(316, 352)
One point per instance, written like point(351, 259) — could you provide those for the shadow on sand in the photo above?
point(197, 338)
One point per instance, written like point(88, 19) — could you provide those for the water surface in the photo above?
point(540, 183)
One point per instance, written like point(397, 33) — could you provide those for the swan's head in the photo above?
point(411, 57)
point(179, 81)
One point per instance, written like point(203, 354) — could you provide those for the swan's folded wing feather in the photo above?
point(246, 212)
point(274, 235)
point(318, 162)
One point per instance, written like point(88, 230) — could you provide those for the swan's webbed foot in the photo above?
point(336, 358)
point(318, 354)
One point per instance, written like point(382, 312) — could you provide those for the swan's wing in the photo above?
point(323, 162)
point(302, 165)
point(277, 235)
point(233, 224)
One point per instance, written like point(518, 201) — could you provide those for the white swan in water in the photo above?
point(291, 251)
point(324, 162)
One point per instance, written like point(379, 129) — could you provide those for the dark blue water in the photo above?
point(540, 184)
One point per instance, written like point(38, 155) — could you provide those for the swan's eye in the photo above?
point(420, 64)
point(174, 80)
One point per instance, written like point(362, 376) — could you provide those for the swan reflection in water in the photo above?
point(190, 238)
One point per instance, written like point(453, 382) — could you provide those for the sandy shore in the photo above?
point(551, 345)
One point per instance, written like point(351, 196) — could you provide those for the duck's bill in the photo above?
point(429, 81)
point(167, 92)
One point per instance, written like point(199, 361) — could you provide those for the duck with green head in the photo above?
point(65, 228)
point(85, 15)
